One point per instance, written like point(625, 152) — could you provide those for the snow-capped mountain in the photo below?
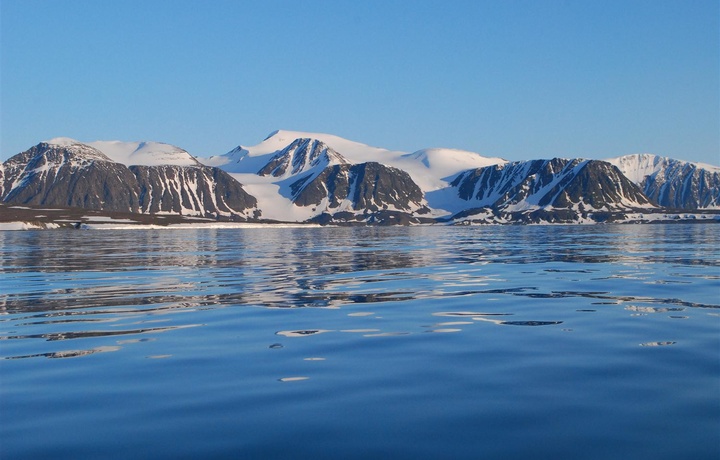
point(286, 162)
point(300, 156)
point(428, 168)
point(67, 173)
point(319, 177)
point(584, 187)
point(134, 153)
point(296, 176)
point(368, 192)
point(47, 173)
point(145, 153)
point(672, 183)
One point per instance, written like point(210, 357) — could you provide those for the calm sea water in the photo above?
point(583, 342)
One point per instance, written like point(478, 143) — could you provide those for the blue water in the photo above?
point(583, 342)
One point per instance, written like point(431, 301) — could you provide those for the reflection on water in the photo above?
point(229, 313)
point(58, 285)
point(301, 333)
point(69, 353)
point(293, 379)
point(656, 344)
point(87, 334)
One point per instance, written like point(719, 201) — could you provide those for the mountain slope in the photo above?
point(361, 187)
point(307, 177)
point(69, 174)
point(429, 168)
point(288, 161)
point(300, 156)
point(145, 153)
point(673, 183)
point(72, 174)
point(578, 187)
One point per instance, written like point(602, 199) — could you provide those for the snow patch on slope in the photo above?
point(270, 199)
point(62, 141)
point(640, 165)
point(145, 153)
point(429, 168)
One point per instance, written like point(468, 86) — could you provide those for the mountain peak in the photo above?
point(62, 141)
point(272, 134)
point(142, 153)
point(145, 153)
point(300, 156)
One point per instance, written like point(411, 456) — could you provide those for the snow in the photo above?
point(636, 167)
point(62, 141)
point(144, 153)
point(25, 226)
point(432, 169)
point(429, 168)
point(448, 162)
point(273, 204)
point(640, 165)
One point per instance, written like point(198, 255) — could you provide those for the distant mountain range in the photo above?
point(307, 177)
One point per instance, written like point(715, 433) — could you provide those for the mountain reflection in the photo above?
point(69, 353)
point(62, 285)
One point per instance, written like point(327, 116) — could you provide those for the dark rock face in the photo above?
point(683, 186)
point(556, 183)
point(301, 155)
point(333, 182)
point(368, 186)
point(315, 177)
point(673, 184)
point(377, 186)
point(80, 176)
point(188, 190)
point(47, 175)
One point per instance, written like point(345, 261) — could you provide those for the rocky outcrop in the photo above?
point(190, 190)
point(300, 156)
point(672, 183)
point(367, 187)
point(80, 176)
point(561, 189)
point(304, 179)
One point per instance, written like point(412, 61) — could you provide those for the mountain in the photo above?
point(65, 173)
point(556, 190)
point(429, 168)
point(673, 183)
point(294, 176)
point(145, 153)
point(278, 169)
point(365, 192)
point(301, 155)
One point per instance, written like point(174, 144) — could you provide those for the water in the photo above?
point(420, 343)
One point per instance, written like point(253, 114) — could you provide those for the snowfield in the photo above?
point(135, 153)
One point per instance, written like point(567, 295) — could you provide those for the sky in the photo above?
point(519, 79)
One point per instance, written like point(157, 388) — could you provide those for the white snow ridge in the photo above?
point(145, 153)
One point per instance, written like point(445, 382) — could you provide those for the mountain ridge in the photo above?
point(294, 176)
point(673, 183)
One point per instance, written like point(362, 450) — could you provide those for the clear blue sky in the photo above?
point(517, 79)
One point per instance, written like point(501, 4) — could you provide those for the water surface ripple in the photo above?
point(413, 342)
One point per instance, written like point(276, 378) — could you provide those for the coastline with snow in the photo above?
point(15, 218)
point(303, 178)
